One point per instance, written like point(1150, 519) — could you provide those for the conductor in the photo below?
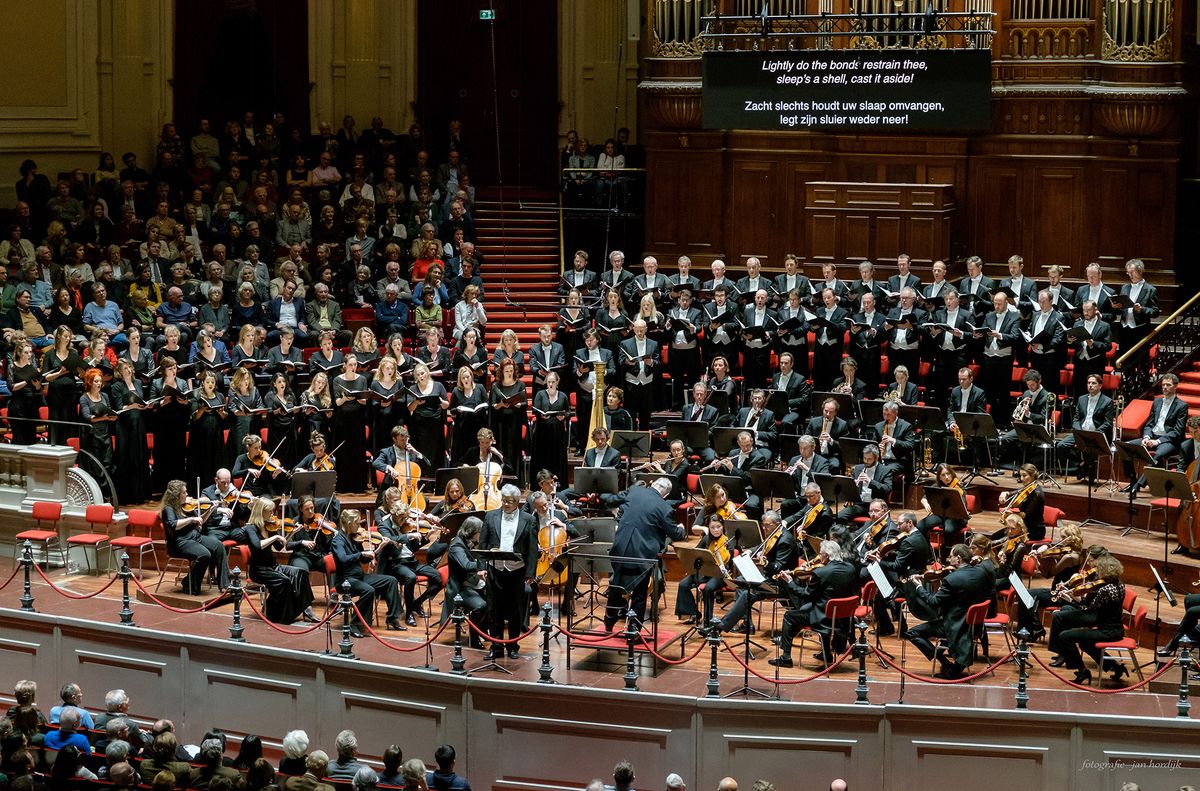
point(642, 532)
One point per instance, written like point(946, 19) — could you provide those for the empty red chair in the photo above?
point(96, 516)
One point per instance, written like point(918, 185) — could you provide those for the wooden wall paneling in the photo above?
point(1056, 217)
point(1114, 756)
point(684, 204)
point(921, 239)
point(1153, 233)
point(33, 657)
point(1110, 211)
point(793, 228)
point(751, 221)
point(889, 238)
point(855, 236)
point(995, 197)
point(822, 235)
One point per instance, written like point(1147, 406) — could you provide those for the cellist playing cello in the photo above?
point(1187, 528)
point(400, 465)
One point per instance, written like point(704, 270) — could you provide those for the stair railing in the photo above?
point(1171, 344)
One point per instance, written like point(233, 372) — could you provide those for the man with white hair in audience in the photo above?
point(675, 783)
point(347, 763)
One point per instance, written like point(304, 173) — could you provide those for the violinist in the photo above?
point(553, 531)
point(900, 556)
point(1187, 528)
point(1097, 619)
point(945, 612)
point(230, 514)
point(873, 481)
point(319, 460)
point(289, 593)
point(716, 503)
point(398, 558)
point(952, 529)
point(784, 555)
point(1028, 500)
point(454, 500)
point(310, 541)
point(400, 464)
point(1057, 563)
point(803, 467)
point(1011, 548)
point(712, 536)
point(836, 578)
point(184, 540)
point(348, 557)
point(815, 519)
point(260, 472)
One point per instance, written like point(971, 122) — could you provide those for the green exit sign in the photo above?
point(487, 14)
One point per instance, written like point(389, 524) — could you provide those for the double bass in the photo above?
point(1189, 516)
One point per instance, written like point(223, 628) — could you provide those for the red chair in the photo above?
point(142, 545)
point(1126, 647)
point(977, 616)
point(1050, 517)
point(43, 512)
point(95, 515)
point(836, 611)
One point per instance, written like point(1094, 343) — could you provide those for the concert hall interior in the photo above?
point(531, 395)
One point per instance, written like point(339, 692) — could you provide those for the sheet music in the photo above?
point(750, 572)
point(1022, 592)
point(881, 580)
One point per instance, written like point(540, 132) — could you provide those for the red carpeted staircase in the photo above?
point(519, 240)
point(1189, 388)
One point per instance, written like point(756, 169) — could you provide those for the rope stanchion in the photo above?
point(126, 613)
point(546, 670)
point(582, 637)
point(714, 682)
point(631, 634)
point(235, 590)
point(68, 594)
point(861, 650)
point(1071, 683)
point(283, 630)
point(819, 674)
point(458, 662)
point(1023, 668)
point(27, 564)
point(1185, 667)
point(665, 660)
point(931, 680)
point(205, 606)
point(385, 644)
point(346, 647)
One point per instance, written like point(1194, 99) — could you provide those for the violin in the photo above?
point(197, 505)
point(1078, 584)
point(322, 525)
point(276, 524)
point(1014, 503)
point(1009, 545)
point(887, 546)
point(730, 511)
point(552, 537)
point(267, 463)
point(323, 464)
point(459, 506)
point(719, 549)
point(237, 497)
point(806, 568)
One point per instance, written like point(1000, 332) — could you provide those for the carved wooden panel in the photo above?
point(944, 763)
point(684, 207)
point(751, 220)
point(1053, 209)
point(995, 212)
point(378, 716)
point(263, 700)
point(20, 659)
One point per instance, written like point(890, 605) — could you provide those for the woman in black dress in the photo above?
point(285, 358)
point(612, 322)
point(469, 409)
point(205, 444)
point(387, 403)
point(615, 414)
point(435, 356)
point(136, 353)
point(170, 423)
point(240, 403)
point(184, 540)
point(282, 423)
point(25, 382)
point(318, 404)
point(509, 349)
point(395, 350)
point(172, 347)
point(95, 410)
point(551, 408)
point(350, 426)
point(246, 353)
point(470, 352)
point(366, 348)
point(427, 405)
point(65, 313)
point(289, 594)
point(61, 367)
point(508, 415)
point(327, 358)
point(132, 457)
point(573, 319)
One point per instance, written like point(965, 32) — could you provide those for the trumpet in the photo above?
point(1022, 411)
point(958, 437)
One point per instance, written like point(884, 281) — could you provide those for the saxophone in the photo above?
point(927, 449)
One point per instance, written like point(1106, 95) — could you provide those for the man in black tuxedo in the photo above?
point(826, 428)
point(719, 279)
point(1024, 288)
point(758, 419)
point(683, 361)
point(1096, 291)
point(510, 529)
point(947, 349)
point(1093, 412)
point(867, 334)
point(579, 277)
point(831, 339)
point(945, 613)
point(803, 467)
point(544, 357)
point(815, 517)
point(617, 277)
point(645, 525)
point(783, 556)
point(1134, 322)
point(759, 323)
point(753, 282)
point(867, 284)
point(1061, 296)
point(895, 438)
point(684, 278)
point(904, 323)
point(740, 461)
point(836, 579)
point(1090, 353)
point(967, 397)
point(1037, 403)
point(797, 390)
point(640, 360)
point(1164, 429)
point(1044, 332)
point(791, 280)
point(700, 411)
point(651, 281)
point(872, 480)
point(910, 556)
point(976, 287)
point(1000, 333)
point(903, 278)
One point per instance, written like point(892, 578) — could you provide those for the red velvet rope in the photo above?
point(11, 577)
point(250, 601)
point(733, 652)
point(388, 645)
point(1071, 683)
point(581, 637)
point(500, 640)
point(930, 680)
point(661, 658)
point(67, 593)
point(166, 606)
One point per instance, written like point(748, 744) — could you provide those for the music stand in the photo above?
point(1160, 590)
point(747, 657)
point(772, 484)
point(734, 486)
point(1169, 485)
point(845, 402)
point(692, 433)
point(675, 495)
point(602, 530)
point(724, 439)
point(1037, 435)
point(452, 522)
point(581, 565)
point(777, 401)
point(318, 485)
point(745, 533)
point(980, 426)
point(947, 503)
point(490, 557)
point(1134, 453)
point(596, 480)
point(596, 563)
point(467, 475)
point(835, 488)
point(852, 450)
point(631, 443)
point(700, 562)
point(924, 418)
point(1091, 446)
point(719, 400)
point(871, 411)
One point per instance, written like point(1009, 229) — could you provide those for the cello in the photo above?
point(1189, 515)
point(487, 496)
point(552, 537)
